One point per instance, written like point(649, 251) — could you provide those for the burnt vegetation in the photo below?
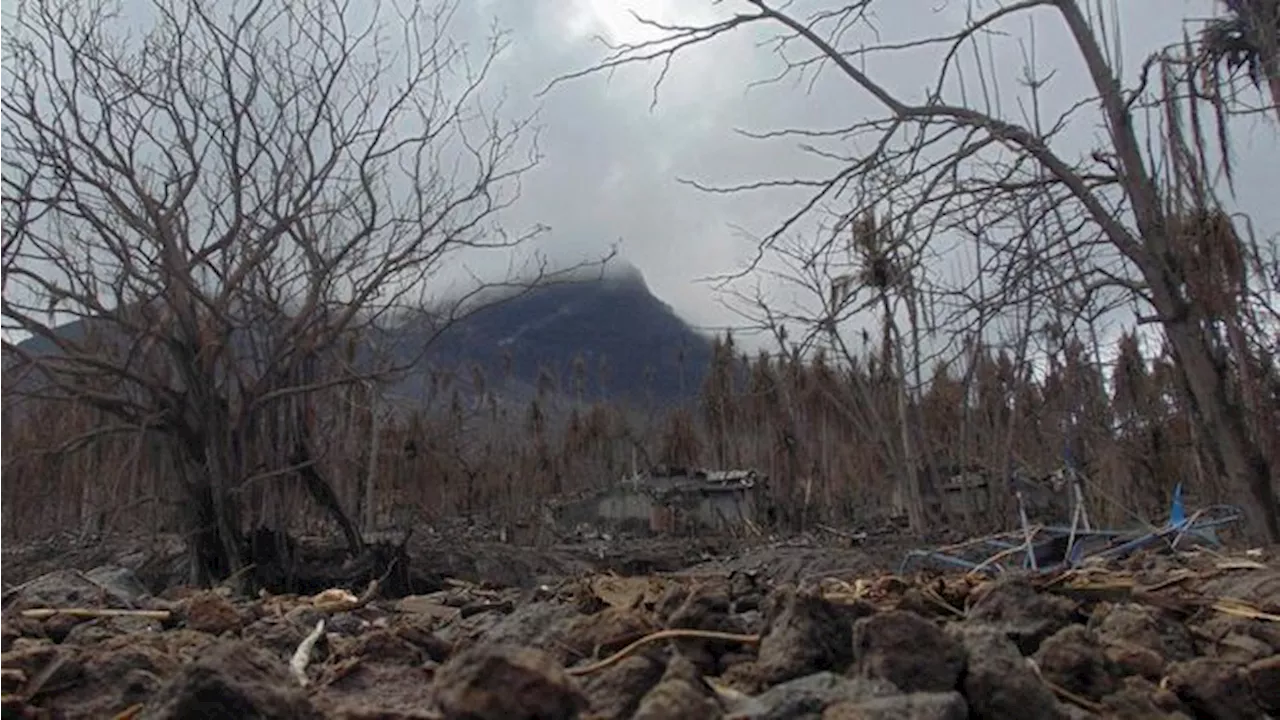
point(232, 208)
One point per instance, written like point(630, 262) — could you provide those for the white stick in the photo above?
point(302, 656)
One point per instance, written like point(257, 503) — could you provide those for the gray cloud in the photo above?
point(612, 164)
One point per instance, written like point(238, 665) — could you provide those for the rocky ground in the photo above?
point(781, 630)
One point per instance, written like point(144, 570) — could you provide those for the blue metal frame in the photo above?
point(990, 555)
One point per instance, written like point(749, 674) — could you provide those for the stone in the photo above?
point(916, 706)
point(809, 696)
point(805, 634)
point(603, 633)
point(998, 682)
point(1133, 625)
point(705, 607)
point(103, 587)
point(681, 694)
point(1130, 659)
point(211, 613)
point(1241, 649)
point(1140, 699)
point(532, 625)
point(1264, 679)
point(616, 691)
point(120, 582)
point(1017, 609)
point(235, 681)
point(385, 646)
point(1213, 689)
point(1072, 659)
point(504, 682)
point(907, 650)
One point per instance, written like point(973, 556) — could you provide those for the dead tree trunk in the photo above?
point(1219, 418)
point(322, 492)
point(211, 516)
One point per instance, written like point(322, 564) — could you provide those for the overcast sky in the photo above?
point(612, 163)
point(612, 158)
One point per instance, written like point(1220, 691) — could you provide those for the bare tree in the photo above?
point(953, 162)
point(832, 281)
point(226, 201)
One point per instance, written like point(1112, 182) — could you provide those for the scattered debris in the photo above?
point(771, 634)
point(1050, 547)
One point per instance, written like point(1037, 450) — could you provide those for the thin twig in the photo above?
point(622, 654)
point(1065, 694)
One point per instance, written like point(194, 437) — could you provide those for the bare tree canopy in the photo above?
point(228, 196)
point(966, 173)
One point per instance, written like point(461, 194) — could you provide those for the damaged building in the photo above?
point(673, 500)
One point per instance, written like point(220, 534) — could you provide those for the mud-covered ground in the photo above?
point(604, 628)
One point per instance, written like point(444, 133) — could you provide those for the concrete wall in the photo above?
point(623, 504)
point(725, 510)
point(714, 510)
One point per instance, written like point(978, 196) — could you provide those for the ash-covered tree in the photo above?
point(226, 194)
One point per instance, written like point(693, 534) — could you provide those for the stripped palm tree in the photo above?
point(1246, 38)
point(882, 269)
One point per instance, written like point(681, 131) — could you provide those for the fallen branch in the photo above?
point(90, 613)
point(622, 654)
point(302, 656)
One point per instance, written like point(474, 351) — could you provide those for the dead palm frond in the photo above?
point(1247, 38)
point(1226, 41)
point(876, 253)
point(1214, 257)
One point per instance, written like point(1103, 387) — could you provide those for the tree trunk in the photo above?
point(1222, 422)
point(220, 473)
point(209, 516)
point(323, 493)
point(213, 542)
point(204, 554)
point(370, 505)
point(1233, 451)
point(911, 495)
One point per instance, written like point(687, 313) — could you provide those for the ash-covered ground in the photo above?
point(809, 627)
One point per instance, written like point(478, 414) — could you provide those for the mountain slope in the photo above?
point(632, 345)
